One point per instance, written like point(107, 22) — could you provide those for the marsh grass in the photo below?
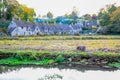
point(33, 53)
point(58, 45)
point(82, 37)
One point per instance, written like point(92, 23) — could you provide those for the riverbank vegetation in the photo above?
point(52, 50)
point(54, 58)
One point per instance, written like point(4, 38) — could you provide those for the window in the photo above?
point(22, 27)
point(37, 33)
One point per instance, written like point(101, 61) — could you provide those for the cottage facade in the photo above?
point(20, 28)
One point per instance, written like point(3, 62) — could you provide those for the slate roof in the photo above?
point(11, 29)
point(19, 23)
point(45, 26)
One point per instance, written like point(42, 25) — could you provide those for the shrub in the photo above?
point(59, 58)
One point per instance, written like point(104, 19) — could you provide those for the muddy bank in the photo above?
point(82, 68)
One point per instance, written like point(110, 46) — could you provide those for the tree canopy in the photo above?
point(13, 8)
point(110, 18)
point(49, 15)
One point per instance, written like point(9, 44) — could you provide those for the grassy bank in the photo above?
point(48, 58)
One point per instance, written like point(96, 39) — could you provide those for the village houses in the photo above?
point(21, 28)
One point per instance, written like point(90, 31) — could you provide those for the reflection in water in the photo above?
point(57, 73)
point(51, 77)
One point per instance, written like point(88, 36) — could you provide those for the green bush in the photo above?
point(59, 58)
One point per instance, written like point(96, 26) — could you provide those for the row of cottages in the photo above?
point(20, 28)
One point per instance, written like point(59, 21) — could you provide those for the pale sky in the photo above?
point(60, 7)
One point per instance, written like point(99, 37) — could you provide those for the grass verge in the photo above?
point(49, 58)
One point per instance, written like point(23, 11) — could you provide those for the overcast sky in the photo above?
point(60, 7)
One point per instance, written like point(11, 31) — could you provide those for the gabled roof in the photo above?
point(19, 23)
point(11, 29)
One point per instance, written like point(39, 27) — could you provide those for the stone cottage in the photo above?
point(21, 28)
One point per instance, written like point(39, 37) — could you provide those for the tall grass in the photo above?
point(100, 37)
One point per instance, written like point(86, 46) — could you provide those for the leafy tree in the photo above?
point(49, 15)
point(115, 20)
point(12, 6)
point(111, 8)
point(28, 13)
point(110, 18)
point(17, 10)
point(87, 17)
point(2, 10)
point(105, 19)
point(104, 14)
point(74, 14)
point(2, 5)
point(94, 16)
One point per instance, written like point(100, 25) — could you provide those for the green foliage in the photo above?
point(19, 56)
point(115, 20)
point(110, 19)
point(3, 25)
point(17, 10)
point(59, 58)
point(49, 15)
point(2, 10)
point(24, 57)
point(115, 64)
point(15, 61)
point(87, 17)
point(105, 19)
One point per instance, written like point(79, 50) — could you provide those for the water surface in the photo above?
point(57, 73)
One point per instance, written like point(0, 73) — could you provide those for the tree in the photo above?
point(104, 14)
point(87, 17)
point(105, 19)
point(49, 15)
point(18, 11)
point(111, 8)
point(74, 14)
point(110, 18)
point(2, 5)
point(94, 16)
point(26, 13)
point(115, 20)
point(12, 7)
point(2, 9)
